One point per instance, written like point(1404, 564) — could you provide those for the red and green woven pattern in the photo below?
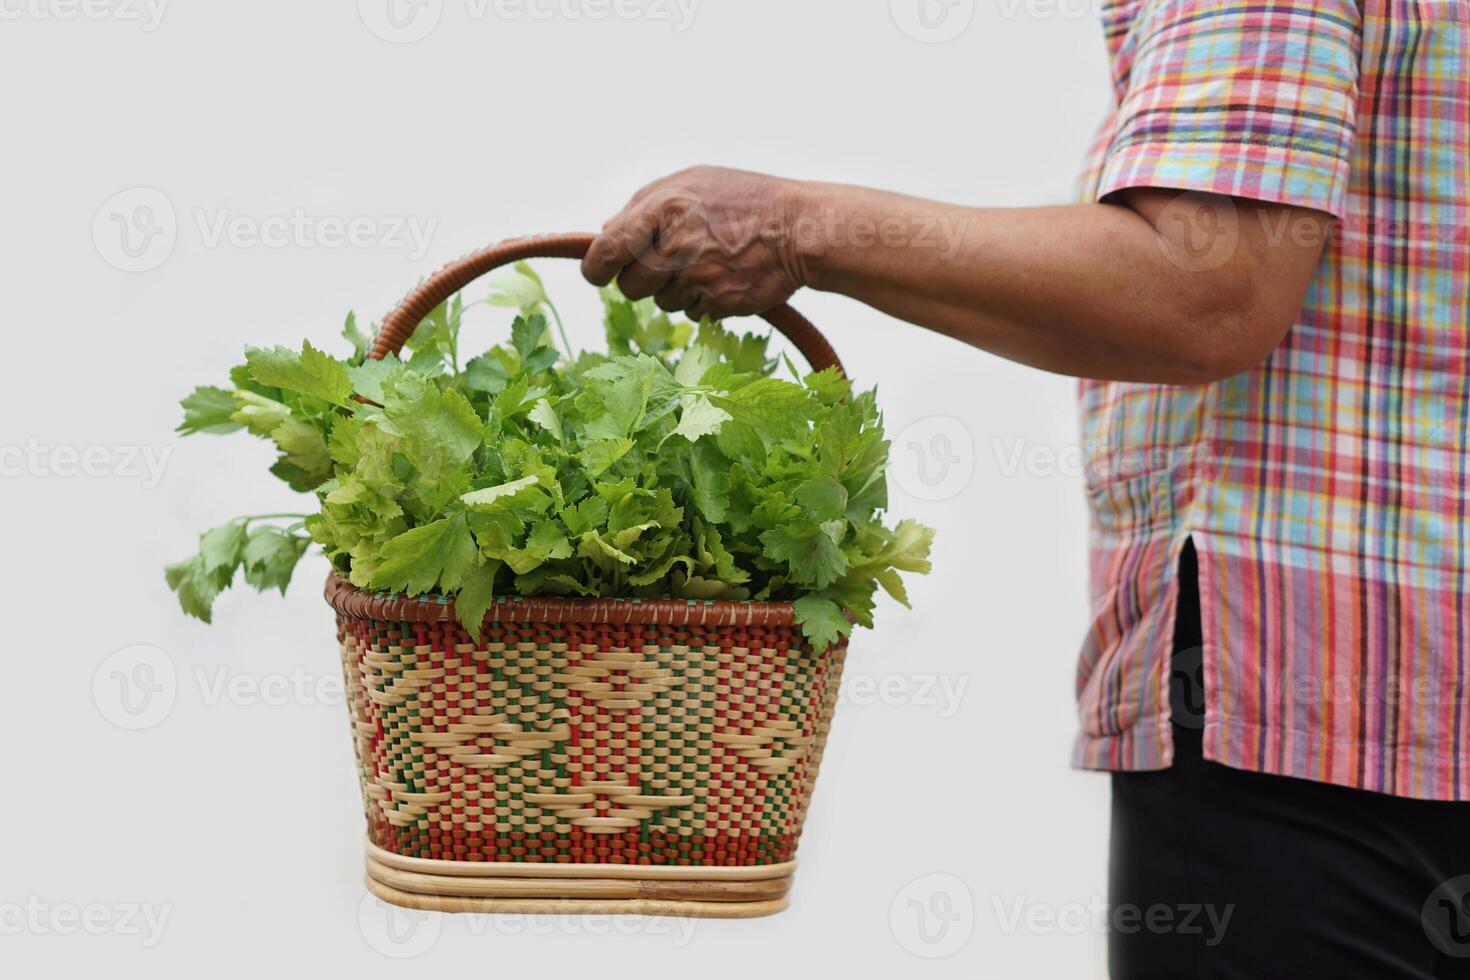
point(585, 742)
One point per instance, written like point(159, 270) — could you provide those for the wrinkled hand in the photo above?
point(705, 241)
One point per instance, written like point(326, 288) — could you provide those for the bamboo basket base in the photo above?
point(578, 889)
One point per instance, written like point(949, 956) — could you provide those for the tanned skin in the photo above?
point(1152, 285)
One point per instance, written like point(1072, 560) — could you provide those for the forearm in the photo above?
point(1089, 290)
point(1163, 287)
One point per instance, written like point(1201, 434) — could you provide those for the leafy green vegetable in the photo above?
point(268, 554)
point(675, 465)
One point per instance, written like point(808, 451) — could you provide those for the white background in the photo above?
point(235, 813)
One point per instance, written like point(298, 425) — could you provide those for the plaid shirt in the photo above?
point(1325, 490)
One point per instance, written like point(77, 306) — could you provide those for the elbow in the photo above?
point(1224, 346)
point(1225, 333)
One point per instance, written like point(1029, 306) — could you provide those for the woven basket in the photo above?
point(584, 755)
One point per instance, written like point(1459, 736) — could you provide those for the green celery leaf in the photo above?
point(476, 597)
point(208, 409)
point(699, 417)
point(310, 372)
point(600, 454)
point(270, 556)
point(361, 342)
point(222, 548)
point(813, 553)
point(821, 621)
point(518, 287)
point(488, 498)
point(544, 415)
point(369, 377)
point(419, 559)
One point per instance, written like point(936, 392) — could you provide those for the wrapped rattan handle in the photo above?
point(399, 325)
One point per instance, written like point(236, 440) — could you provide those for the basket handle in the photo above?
point(400, 324)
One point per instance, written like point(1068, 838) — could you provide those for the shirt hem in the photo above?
point(1149, 747)
point(1269, 174)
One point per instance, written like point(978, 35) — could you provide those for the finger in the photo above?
point(638, 281)
point(702, 307)
point(624, 238)
point(725, 305)
point(642, 193)
point(677, 295)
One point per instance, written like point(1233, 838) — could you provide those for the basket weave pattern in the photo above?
point(690, 738)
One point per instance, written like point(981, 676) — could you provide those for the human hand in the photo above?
point(706, 241)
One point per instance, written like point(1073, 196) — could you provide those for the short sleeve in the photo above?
point(1253, 99)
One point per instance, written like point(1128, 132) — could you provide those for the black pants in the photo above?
point(1221, 873)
